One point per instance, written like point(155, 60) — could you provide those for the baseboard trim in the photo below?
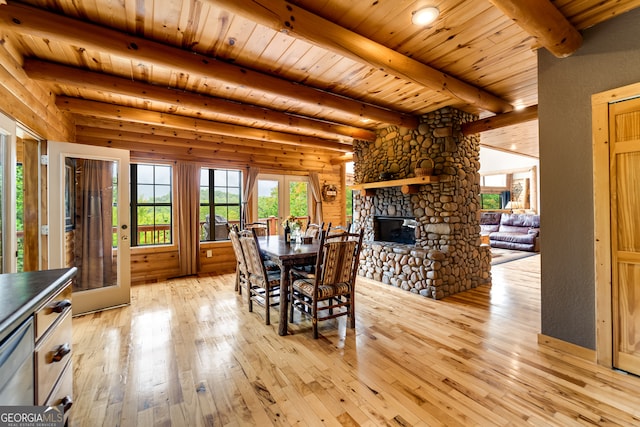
point(567, 347)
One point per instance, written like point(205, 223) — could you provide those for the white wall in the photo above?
point(496, 161)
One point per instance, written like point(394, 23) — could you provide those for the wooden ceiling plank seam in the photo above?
point(45, 71)
point(235, 39)
point(100, 109)
point(479, 40)
point(292, 56)
point(451, 30)
point(280, 15)
point(261, 37)
point(23, 19)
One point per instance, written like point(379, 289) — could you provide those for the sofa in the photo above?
point(511, 231)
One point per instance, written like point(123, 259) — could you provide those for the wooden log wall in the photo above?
point(335, 211)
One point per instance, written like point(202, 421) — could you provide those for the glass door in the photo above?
point(89, 211)
point(8, 245)
point(282, 197)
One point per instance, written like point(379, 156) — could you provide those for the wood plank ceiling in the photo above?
point(305, 75)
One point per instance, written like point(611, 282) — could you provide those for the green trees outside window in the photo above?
point(151, 204)
point(220, 202)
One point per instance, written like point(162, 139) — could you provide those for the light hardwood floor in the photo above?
point(187, 353)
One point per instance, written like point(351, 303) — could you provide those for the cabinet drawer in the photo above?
point(52, 310)
point(52, 355)
point(63, 392)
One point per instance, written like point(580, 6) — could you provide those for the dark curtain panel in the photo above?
point(188, 206)
point(96, 266)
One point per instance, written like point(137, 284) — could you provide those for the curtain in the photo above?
point(188, 207)
point(252, 178)
point(316, 198)
point(96, 228)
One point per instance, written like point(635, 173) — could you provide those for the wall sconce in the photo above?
point(425, 16)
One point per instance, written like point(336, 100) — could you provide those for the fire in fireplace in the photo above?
point(394, 229)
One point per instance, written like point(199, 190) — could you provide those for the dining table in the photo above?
point(287, 255)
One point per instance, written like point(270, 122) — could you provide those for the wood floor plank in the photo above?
point(187, 352)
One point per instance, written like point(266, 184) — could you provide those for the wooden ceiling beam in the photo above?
point(238, 146)
point(110, 111)
point(151, 151)
point(500, 120)
point(60, 74)
point(545, 22)
point(145, 131)
point(283, 16)
point(89, 37)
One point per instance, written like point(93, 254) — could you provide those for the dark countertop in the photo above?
point(22, 293)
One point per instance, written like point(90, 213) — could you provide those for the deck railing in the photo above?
point(161, 234)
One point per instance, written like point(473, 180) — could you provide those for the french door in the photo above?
point(280, 196)
point(8, 244)
point(624, 131)
point(89, 222)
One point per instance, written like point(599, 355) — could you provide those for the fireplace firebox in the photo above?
point(394, 229)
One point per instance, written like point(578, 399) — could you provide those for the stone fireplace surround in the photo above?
point(447, 257)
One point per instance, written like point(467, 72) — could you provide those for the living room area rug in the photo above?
point(500, 256)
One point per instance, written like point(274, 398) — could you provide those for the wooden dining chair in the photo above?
point(313, 230)
point(330, 293)
point(242, 274)
point(262, 228)
point(263, 287)
point(338, 229)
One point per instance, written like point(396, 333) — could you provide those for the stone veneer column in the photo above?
point(447, 257)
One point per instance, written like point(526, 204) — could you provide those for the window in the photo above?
point(490, 201)
point(499, 180)
point(220, 195)
point(279, 197)
point(150, 205)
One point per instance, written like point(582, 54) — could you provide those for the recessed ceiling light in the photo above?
point(425, 16)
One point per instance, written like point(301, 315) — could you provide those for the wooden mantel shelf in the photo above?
point(408, 185)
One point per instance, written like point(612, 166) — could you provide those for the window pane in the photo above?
point(145, 174)
point(220, 195)
point(234, 195)
point(220, 178)
point(298, 199)
point(163, 175)
point(145, 215)
point(163, 194)
point(267, 198)
point(233, 214)
point(163, 215)
point(145, 194)
point(204, 177)
point(234, 178)
point(221, 213)
point(490, 201)
point(204, 194)
point(204, 225)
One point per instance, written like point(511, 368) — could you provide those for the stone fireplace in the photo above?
point(446, 257)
